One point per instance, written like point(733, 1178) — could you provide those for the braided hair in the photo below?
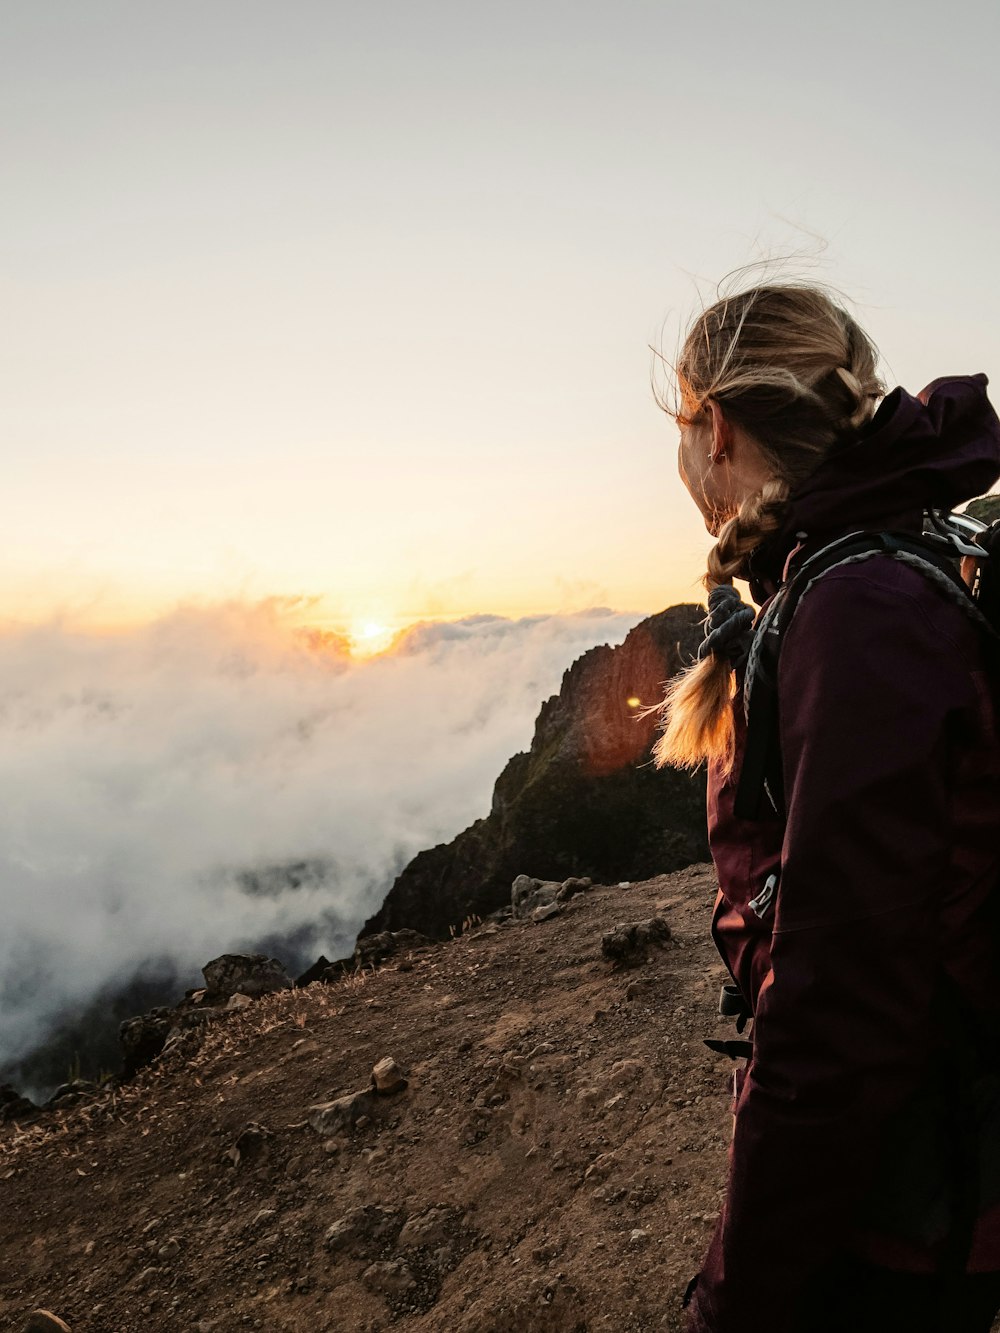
point(791, 367)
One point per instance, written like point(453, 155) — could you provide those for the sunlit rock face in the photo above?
point(584, 800)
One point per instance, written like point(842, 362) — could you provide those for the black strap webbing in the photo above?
point(760, 793)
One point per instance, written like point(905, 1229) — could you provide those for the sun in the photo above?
point(369, 637)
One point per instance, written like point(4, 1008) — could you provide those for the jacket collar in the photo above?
point(934, 450)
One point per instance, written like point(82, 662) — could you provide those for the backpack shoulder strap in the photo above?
point(760, 791)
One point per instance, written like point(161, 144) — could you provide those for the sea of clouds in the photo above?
point(152, 782)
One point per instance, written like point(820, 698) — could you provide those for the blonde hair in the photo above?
point(791, 367)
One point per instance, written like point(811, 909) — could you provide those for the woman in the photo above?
point(872, 909)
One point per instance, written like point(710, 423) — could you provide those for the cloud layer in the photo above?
point(151, 782)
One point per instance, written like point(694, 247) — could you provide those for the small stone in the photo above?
point(571, 887)
point(528, 893)
point(629, 942)
point(428, 1228)
point(546, 912)
point(44, 1321)
point(363, 1225)
point(626, 1071)
point(13, 1106)
point(250, 973)
point(601, 1167)
point(391, 1277)
point(251, 1145)
point(264, 1215)
point(170, 1250)
point(238, 1001)
point(341, 1115)
point(638, 1237)
point(387, 1077)
point(143, 1038)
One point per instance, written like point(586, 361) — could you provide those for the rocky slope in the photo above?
point(554, 1162)
point(585, 799)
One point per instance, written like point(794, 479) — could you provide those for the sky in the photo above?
point(352, 304)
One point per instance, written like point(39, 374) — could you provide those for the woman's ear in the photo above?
point(722, 433)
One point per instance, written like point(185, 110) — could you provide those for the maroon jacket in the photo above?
point(887, 858)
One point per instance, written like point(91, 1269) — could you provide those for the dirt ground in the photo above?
point(556, 1161)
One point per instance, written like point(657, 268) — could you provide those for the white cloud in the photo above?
point(141, 773)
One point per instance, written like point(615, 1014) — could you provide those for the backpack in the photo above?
point(951, 544)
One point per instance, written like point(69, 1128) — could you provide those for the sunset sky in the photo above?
point(352, 302)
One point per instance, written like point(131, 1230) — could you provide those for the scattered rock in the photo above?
point(251, 1145)
point(572, 886)
point(601, 1167)
point(629, 943)
point(387, 1078)
point(340, 1115)
point(429, 1228)
point(317, 972)
point(44, 1321)
point(372, 949)
point(13, 1106)
point(238, 1001)
point(544, 913)
point(527, 894)
point(539, 899)
point(362, 1227)
point(146, 1278)
point(144, 1038)
point(391, 1277)
point(70, 1094)
point(252, 974)
point(626, 1071)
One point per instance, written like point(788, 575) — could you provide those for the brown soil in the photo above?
point(563, 1117)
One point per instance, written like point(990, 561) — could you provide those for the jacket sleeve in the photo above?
point(872, 686)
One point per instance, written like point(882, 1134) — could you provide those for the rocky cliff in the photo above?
point(584, 800)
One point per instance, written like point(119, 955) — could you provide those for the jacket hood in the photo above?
point(932, 451)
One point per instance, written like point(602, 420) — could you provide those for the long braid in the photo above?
point(699, 720)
